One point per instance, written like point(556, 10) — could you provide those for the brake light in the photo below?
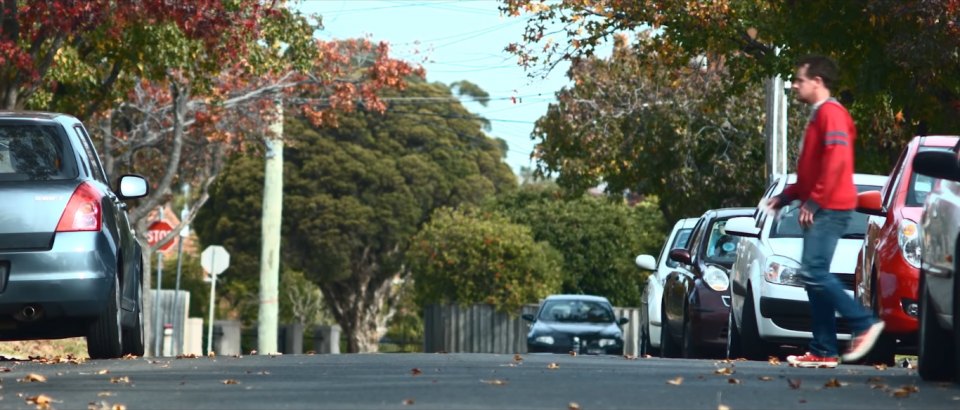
point(83, 212)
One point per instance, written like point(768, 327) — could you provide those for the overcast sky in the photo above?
point(456, 40)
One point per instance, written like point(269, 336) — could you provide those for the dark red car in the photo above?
point(696, 299)
point(888, 267)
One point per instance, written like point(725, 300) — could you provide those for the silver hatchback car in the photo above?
point(70, 264)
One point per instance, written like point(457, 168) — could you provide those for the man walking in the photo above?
point(825, 188)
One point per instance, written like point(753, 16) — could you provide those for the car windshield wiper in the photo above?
point(853, 236)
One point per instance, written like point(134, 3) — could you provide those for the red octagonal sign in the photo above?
point(157, 231)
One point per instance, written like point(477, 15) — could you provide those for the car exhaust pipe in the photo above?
point(29, 313)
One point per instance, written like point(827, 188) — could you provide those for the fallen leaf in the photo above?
point(211, 354)
point(765, 378)
point(878, 386)
point(553, 366)
point(253, 352)
point(103, 371)
point(42, 401)
point(309, 352)
point(646, 356)
point(119, 380)
point(880, 366)
point(188, 356)
point(495, 382)
point(676, 382)
point(408, 402)
point(794, 383)
point(517, 358)
point(773, 360)
point(901, 392)
point(33, 377)
point(573, 406)
point(733, 381)
point(4, 370)
point(573, 353)
point(105, 394)
point(834, 383)
point(630, 356)
point(726, 371)
point(415, 371)
point(230, 381)
point(129, 356)
point(723, 407)
point(875, 379)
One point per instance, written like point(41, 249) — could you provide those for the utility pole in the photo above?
point(270, 235)
point(775, 129)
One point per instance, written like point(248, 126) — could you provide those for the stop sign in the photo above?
point(157, 231)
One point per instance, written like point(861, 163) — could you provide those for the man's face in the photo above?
point(804, 87)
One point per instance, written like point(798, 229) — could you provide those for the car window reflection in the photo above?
point(30, 152)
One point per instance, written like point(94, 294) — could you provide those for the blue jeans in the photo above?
point(824, 290)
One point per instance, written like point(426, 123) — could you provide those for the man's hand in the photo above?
point(773, 204)
point(806, 217)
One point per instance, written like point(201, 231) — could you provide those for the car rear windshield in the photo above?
point(33, 152)
point(575, 310)
point(920, 185)
point(788, 224)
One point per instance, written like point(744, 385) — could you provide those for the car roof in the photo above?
point(859, 179)
point(687, 223)
point(577, 297)
point(936, 140)
point(30, 115)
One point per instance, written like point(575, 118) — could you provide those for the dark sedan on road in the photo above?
point(582, 324)
point(69, 263)
point(696, 301)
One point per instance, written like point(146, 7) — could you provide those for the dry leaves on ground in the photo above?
point(42, 401)
point(733, 381)
point(120, 380)
point(415, 371)
point(765, 378)
point(773, 360)
point(676, 382)
point(408, 402)
point(573, 406)
point(794, 383)
point(726, 371)
point(834, 383)
point(230, 381)
point(517, 358)
point(33, 377)
point(495, 382)
point(905, 391)
point(553, 366)
point(102, 405)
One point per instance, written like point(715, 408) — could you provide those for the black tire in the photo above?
point(733, 338)
point(689, 349)
point(645, 347)
point(104, 340)
point(752, 346)
point(885, 350)
point(935, 358)
point(668, 347)
point(133, 339)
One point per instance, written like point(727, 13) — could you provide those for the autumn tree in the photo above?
point(891, 91)
point(356, 194)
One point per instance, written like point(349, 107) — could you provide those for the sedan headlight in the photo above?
point(783, 271)
point(716, 278)
point(908, 238)
point(545, 339)
point(607, 342)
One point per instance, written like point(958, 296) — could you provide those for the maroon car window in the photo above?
point(31, 152)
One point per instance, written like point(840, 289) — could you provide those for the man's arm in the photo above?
point(837, 152)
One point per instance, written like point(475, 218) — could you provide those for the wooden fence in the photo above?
point(481, 329)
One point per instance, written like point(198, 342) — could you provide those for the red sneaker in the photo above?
point(812, 360)
point(862, 343)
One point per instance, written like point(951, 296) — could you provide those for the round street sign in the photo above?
point(157, 231)
point(215, 259)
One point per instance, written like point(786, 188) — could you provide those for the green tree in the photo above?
point(466, 256)
point(599, 238)
point(356, 194)
point(891, 92)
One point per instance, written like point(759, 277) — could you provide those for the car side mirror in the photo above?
point(623, 321)
point(132, 186)
point(646, 262)
point(937, 164)
point(680, 255)
point(528, 317)
point(870, 203)
point(742, 226)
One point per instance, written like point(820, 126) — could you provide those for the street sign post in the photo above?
point(157, 231)
point(214, 260)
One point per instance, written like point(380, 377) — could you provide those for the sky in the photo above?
point(455, 40)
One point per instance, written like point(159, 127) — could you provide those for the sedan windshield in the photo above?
point(574, 310)
point(787, 225)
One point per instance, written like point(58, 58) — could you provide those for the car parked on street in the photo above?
point(888, 267)
point(583, 324)
point(769, 306)
point(938, 356)
point(695, 298)
point(650, 300)
point(69, 262)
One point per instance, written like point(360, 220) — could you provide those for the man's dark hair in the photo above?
point(823, 67)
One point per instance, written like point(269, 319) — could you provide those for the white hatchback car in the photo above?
point(653, 292)
point(769, 305)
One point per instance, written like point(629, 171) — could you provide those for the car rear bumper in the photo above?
point(73, 279)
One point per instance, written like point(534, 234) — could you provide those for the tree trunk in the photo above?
point(360, 305)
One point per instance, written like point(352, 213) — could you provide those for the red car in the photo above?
point(888, 267)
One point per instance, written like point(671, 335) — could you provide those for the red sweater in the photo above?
point(825, 166)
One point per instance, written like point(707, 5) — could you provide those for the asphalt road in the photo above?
point(462, 381)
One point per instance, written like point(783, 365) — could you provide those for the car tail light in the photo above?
point(83, 212)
